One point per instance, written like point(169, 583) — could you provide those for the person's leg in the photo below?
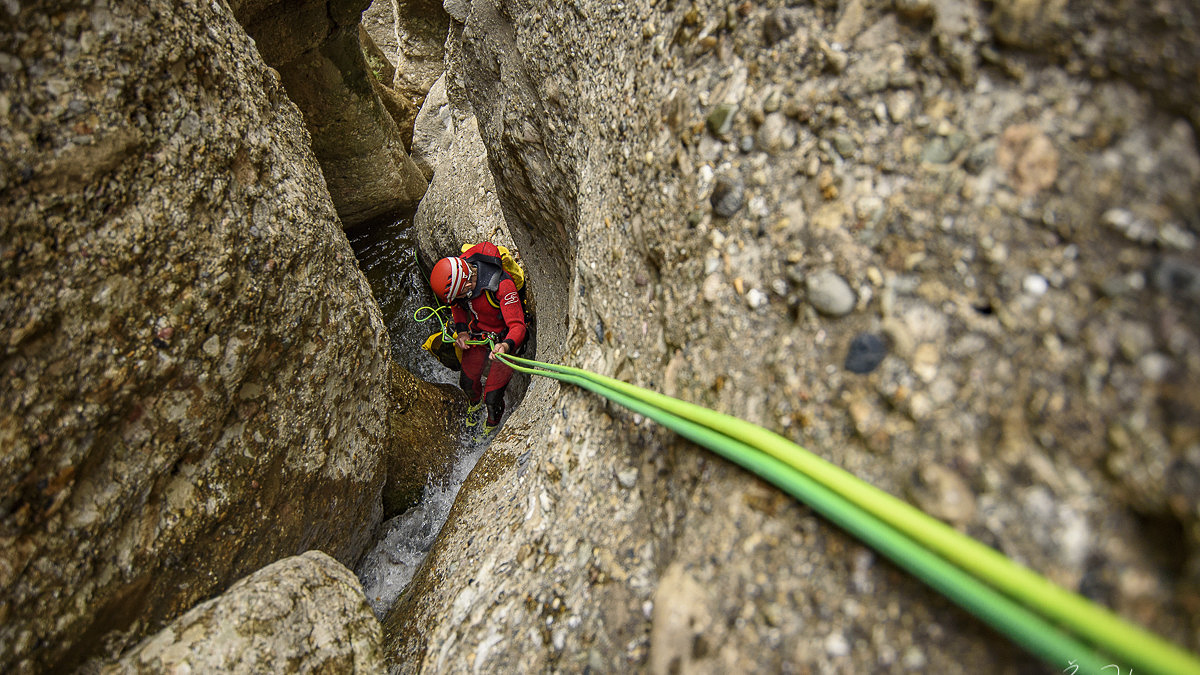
point(493, 396)
point(473, 360)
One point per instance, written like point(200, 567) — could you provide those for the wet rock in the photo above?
point(867, 351)
point(829, 294)
point(728, 196)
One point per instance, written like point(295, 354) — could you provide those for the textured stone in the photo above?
point(1029, 158)
point(829, 293)
point(315, 47)
point(728, 196)
point(302, 614)
point(197, 380)
point(593, 123)
point(422, 27)
point(433, 129)
point(866, 352)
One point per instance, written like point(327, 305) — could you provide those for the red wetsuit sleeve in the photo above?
point(514, 315)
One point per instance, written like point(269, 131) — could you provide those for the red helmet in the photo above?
point(448, 277)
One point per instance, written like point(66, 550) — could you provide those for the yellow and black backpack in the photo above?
point(509, 266)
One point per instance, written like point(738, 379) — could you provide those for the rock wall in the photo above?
point(965, 271)
point(315, 46)
point(196, 378)
point(410, 35)
point(422, 28)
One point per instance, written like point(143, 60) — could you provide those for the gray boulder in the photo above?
point(302, 614)
point(422, 27)
point(461, 205)
point(433, 130)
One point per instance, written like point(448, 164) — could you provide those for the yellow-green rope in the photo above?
point(1009, 583)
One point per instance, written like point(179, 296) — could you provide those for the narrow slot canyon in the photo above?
point(948, 247)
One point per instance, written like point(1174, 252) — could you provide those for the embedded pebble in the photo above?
point(720, 120)
point(942, 493)
point(776, 133)
point(1177, 278)
point(836, 645)
point(867, 351)
point(779, 25)
point(728, 196)
point(1035, 285)
point(756, 298)
point(829, 294)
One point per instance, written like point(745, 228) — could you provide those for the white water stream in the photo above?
point(407, 538)
point(385, 255)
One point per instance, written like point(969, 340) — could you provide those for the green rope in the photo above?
point(435, 313)
point(924, 538)
point(447, 334)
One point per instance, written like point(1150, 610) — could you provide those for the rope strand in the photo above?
point(931, 550)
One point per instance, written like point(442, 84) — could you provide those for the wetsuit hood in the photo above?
point(488, 276)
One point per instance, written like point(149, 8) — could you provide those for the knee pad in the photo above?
point(495, 406)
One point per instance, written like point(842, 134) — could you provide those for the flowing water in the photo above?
point(386, 255)
point(407, 538)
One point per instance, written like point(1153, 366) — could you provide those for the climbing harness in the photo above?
point(1059, 626)
point(448, 335)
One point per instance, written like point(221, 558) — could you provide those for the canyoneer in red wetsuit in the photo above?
point(484, 302)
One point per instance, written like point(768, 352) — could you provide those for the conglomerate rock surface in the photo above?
point(962, 268)
point(301, 614)
point(196, 378)
point(315, 46)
